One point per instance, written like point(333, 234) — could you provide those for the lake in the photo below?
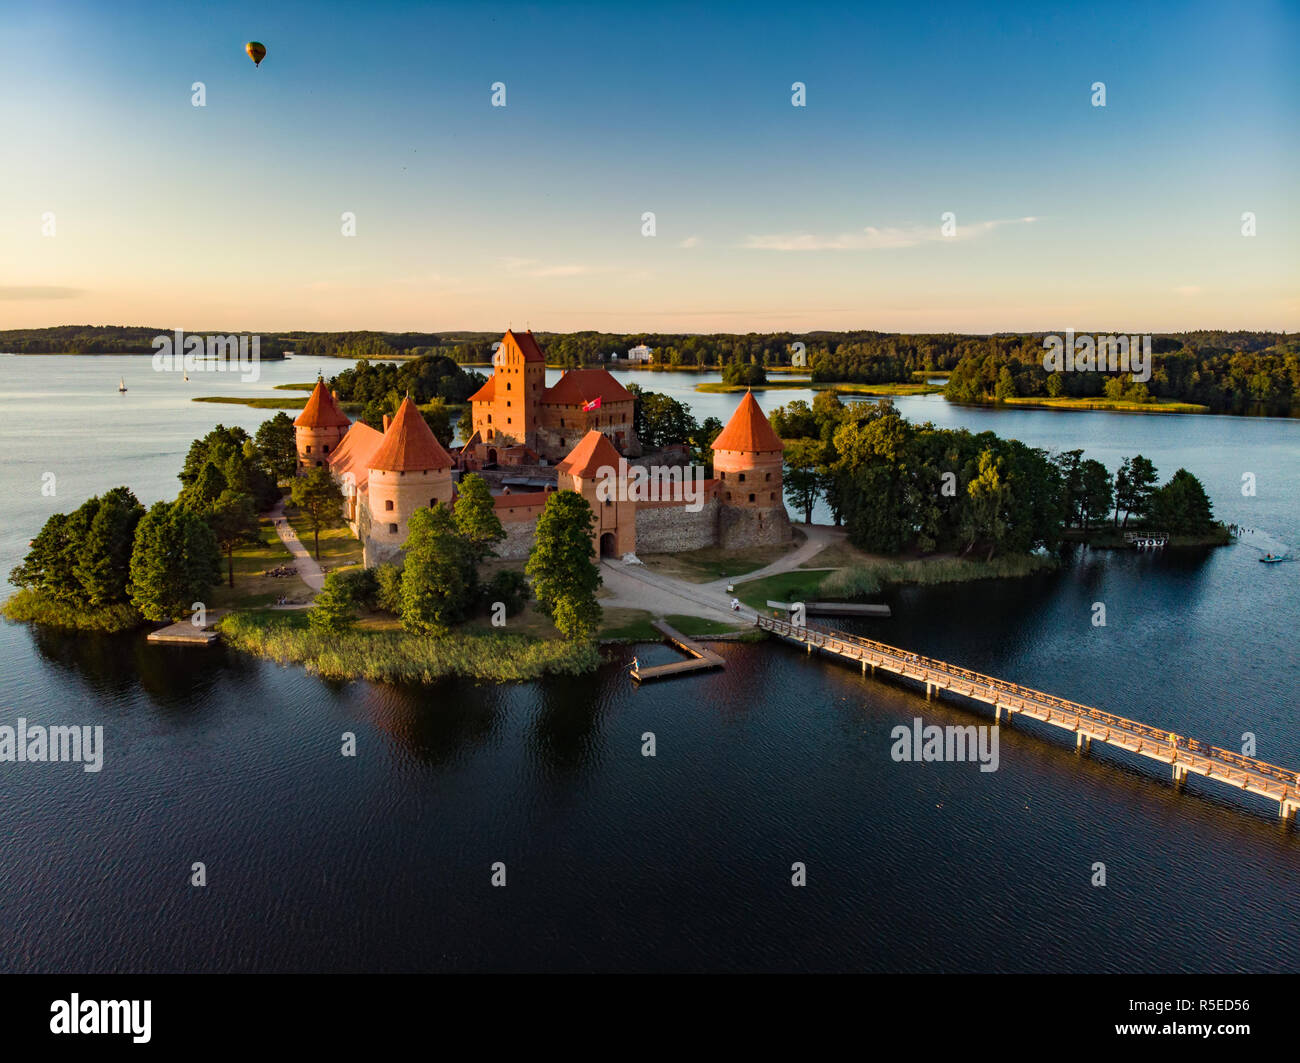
point(616, 861)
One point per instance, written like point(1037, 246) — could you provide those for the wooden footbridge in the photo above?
point(1184, 755)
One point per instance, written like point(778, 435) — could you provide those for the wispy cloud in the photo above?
point(19, 292)
point(690, 241)
point(531, 267)
point(872, 238)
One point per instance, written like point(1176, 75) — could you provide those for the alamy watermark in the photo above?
point(653, 483)
point(223, 354)
point(923, 744)
point(1098, 354)
point(56, 744)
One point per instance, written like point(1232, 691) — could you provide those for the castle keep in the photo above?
point(576, 435)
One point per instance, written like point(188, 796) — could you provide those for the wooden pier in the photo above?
point(1183, 755)
point(835, 609)
point(701, 659)
point(184, 633)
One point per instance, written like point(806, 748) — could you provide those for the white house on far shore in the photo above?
point(640, 354)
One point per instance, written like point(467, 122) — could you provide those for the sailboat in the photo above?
point(121, 384)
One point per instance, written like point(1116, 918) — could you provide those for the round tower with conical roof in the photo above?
point(409, 470)
point(319, 429)
point(747, 460)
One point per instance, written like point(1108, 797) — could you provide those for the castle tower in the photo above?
point(507, 405)
point(599, 473)
point(409, 470)
point(319, 429)
point(747, 459)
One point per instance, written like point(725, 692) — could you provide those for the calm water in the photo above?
point(617, 861)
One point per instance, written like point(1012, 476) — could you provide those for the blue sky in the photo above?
point(767, 216)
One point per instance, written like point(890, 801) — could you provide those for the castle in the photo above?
point(517, 419)
point(585, 423)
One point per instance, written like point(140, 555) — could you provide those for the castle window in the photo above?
point(722, 474)
point(561, 422)
point(728, 496)
point(319, 463)
point(507, 385)
point(432, 502)
point(308, 448)
point(508, 402)
point(388, 503)
point(768, 476)
point(751, 498)
point(327, 448)
point(489, 418)
point(772, 497)
point(392, 529)
point(742, 477)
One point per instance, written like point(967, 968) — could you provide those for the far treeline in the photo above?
point(1226, 371)
point(902, 487)
point(114, 339)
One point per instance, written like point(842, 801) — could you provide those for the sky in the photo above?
point(123, 203)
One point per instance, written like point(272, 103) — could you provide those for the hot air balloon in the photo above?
point(256, 52)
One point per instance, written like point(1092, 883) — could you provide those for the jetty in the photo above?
point(835, 609)
point(185, 633)
point(1183, 755)
point(701, 659)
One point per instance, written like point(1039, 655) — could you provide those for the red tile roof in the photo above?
point(526, 344)
point(525, 499)
point(583, 385)
point(321, 411)
point(748, 430)
point(593, 452)
point(354, 452)
point(409, 444)
point(487, 393)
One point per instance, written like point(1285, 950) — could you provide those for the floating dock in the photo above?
point(1183, 755)
point(702, 659)
point(835, 609)
point(185, 633)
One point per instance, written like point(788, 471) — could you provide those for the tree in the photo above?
point(988, 493)
point(103, 563)
point(1096, 494)
point(476, 517)
point(437, 415)
point(388, 594)
point(1006, 386)
point(320, 500)
point(333, 609)
point(803, 483)
point(561, 565)
point(277, 447)
point(1135, 484)
point(510, 587)
point(437, 575)
point(233, 521)
point(1181, 507)
point(174, 561)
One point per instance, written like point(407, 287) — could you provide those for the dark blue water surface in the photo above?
point(617, 861)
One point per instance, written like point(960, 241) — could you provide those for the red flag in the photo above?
point(594, 404)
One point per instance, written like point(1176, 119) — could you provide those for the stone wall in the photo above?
point(672, 529)
point(518, 541)
point(738, 528)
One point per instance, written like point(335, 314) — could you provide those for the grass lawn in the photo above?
point(339, 548)
point(271, 402)
point(252, 589)
point(711, 563)
point(634, 625)
point(799, 585)
point(717, 387)
point(1114, 405)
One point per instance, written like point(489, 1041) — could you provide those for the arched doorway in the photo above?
point(492, 455)
point(608, 545)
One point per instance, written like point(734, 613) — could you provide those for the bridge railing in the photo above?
point(829, 638)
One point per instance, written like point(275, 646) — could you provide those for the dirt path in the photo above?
point(308, 570)
point(636, 587)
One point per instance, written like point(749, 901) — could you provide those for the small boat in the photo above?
point(121, 384)
point(1271, 559)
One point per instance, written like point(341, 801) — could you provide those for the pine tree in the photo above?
point(476, 517)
